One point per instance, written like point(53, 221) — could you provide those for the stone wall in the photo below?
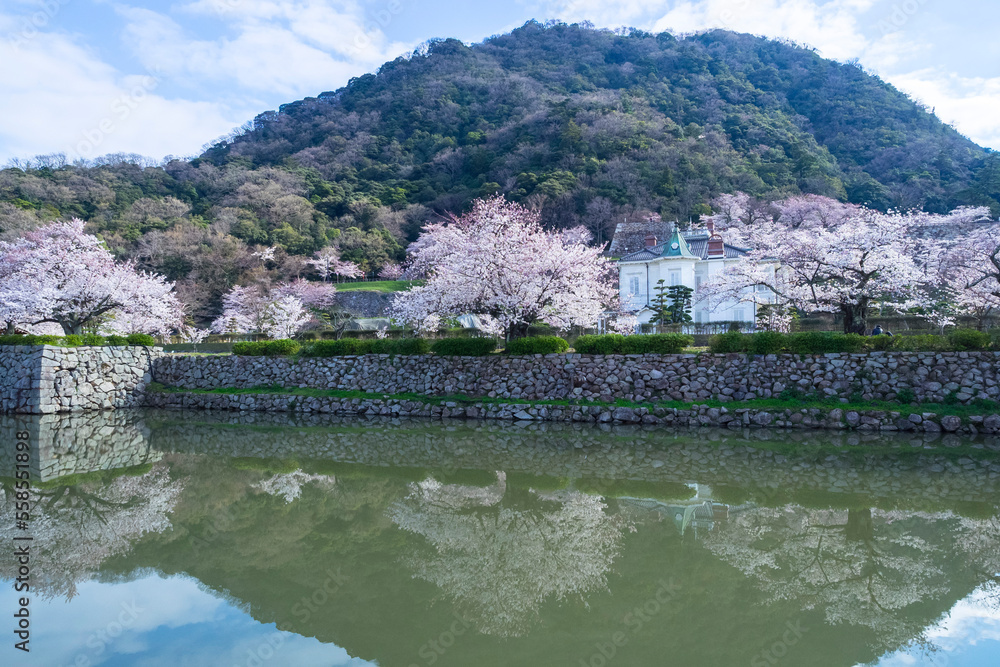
point(20, 372)
point(46, 379)
point(930, 376)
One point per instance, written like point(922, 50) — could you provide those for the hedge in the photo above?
point(670, 343)
point(356, 346)
point(266, 348)
point(816, 342)
point(76, 340)
point(969, 339)
point(141, 339)
point(464, 347)
point(537, 345)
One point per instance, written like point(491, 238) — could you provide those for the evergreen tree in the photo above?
point(679, 310)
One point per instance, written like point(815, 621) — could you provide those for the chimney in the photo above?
point(650, 240)
point(716, 246)
point(711, 227)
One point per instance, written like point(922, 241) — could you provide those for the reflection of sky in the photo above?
point(969, 636)
point(169, 622)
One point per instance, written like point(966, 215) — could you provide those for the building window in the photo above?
point(633, 285)
point(697, 283)
point(739, 315)
point(675, 277)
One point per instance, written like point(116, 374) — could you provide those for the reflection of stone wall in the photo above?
point(45, 379)
point(78, 443)
point(712, 456)
point(696, 415)
point(931, 376)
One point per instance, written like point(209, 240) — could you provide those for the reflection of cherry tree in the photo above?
point(979, 542)
point(76, 528)
point(289, 485)
point(500, 553)
point(854, 565)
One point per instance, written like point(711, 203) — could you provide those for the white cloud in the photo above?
point(968, 103)
point(293, 48)
point(59, 97)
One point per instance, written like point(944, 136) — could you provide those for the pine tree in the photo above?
point(679, 310)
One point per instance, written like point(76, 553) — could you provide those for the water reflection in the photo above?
point(408, 543)
point(500, 551)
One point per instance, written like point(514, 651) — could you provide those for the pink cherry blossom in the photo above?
point(60, 274)
point(498, 262)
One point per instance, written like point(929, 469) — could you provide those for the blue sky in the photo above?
point(165, 77)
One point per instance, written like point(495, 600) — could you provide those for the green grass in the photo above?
point(767, 404)
point(384, 286)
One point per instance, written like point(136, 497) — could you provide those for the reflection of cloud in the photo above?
point(971, 622)
point(179, 623)
point(500, 557)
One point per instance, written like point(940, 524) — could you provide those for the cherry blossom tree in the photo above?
point(498, 262)
point(62, 275)
point(327, 263)
point(971, 270)
point(278, 312)
point(838, 258)
point(391, 271)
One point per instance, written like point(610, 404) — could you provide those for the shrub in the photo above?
point(249, 348)
point(115, 340)
point(44, 340)
point(969, 339)
point(281, 348)
point(766, 342)
point(537, 345)
point(141, 339)
point(334, 348)
point(14, 340)
point(727, 343)
point(464, 347)
point(669, 343)
point(353, 346)
point(882, 342)
point(821, 342)
point(265, 348)
point(397, 346)
point(93, 340)
point(605, 344)
point(72, 340)
point(923, 343)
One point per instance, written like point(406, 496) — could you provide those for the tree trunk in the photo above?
point(519, 330)
point(859, 526)
point(855, 317)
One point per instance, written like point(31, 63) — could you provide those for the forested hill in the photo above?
point(591, 126)
point(570, 115)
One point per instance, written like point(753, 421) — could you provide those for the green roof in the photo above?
point(676, 246)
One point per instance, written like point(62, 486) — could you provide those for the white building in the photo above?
point(690, 260)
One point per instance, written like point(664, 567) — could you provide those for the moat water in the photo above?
point(168, 538)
